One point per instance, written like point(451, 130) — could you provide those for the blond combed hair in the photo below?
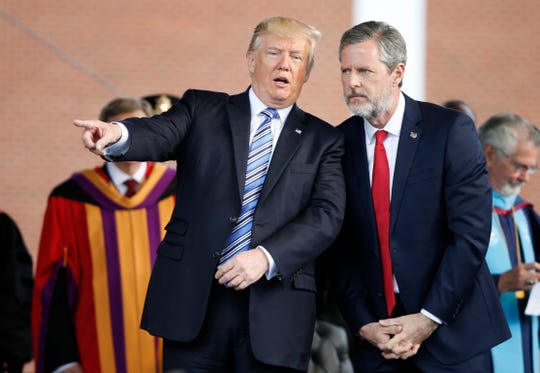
point(285, 26)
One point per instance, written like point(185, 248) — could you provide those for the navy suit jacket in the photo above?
point(299, 214)
point(439, 232)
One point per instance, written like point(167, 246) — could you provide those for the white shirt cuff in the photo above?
point(61, 368)
point(431, 316)
point(121, 146)
point(272, 268)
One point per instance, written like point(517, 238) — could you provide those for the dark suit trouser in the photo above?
point(223, 346)
point(422, 362)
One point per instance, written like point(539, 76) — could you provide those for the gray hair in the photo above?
point(392, 46)
point(502, 131)
point(122, 105)
point(284, 26)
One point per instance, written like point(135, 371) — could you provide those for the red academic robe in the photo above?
point(102, 246)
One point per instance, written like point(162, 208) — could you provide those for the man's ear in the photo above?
point(490, 152)
point(306, 78)
point(250, 59)
point(399, 71)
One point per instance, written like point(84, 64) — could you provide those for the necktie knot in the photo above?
point(380, 136)
point(270, 113)
point(131, 185)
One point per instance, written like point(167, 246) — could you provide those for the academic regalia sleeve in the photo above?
point(534, 221)
point(60, 340)
point(51, 314)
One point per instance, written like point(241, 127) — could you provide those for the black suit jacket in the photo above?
point(439, 233)
point(298, 215)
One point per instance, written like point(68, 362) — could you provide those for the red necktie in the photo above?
point(131, 187)
point(380, 191)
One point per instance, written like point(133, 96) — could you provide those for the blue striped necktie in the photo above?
point(257, 165)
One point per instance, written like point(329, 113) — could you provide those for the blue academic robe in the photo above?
point(508, 214)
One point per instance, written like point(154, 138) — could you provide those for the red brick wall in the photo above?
point(480, 51)
point(486, 52)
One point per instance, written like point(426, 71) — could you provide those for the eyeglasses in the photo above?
point(519, 167)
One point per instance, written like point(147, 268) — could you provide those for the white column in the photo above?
point(409, 17)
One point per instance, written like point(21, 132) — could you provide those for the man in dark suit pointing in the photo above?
point(218, 306)
point(413, 283)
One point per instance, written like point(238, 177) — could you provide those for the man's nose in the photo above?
point(524, 176)
point(285, 62)
point(355, 80)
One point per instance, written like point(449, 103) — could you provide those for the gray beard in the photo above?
point(372, 110)
point(510, 190)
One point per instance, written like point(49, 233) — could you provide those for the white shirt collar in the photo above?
point(256, 106)
point(118, 176)
point(393, 126)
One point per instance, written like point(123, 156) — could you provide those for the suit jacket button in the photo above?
point(216, 254)
point(233, 219)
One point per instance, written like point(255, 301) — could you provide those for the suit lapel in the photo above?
point(358, 152)
point(290, 138)
point(409, 138)
point(239, 122)
point(362, 204)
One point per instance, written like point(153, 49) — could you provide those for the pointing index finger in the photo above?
point(83, 123)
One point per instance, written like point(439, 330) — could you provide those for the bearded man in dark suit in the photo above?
point(412, 280)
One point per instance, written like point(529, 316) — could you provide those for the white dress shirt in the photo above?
point(391, 142)
point(118, 177)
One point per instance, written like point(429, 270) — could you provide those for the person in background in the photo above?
point(233, 287)
point(412, 280)
point(16, 282)
point(98, 243)
point(161, 102)
point(462, 106)
point(511, 144)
